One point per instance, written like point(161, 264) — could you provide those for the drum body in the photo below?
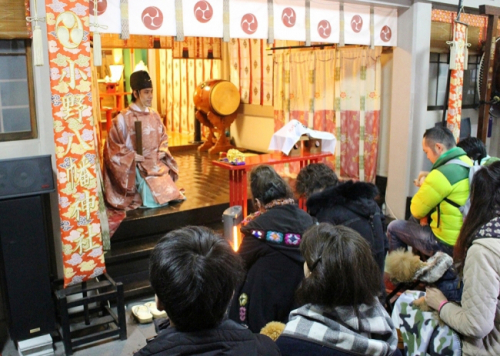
point(217, 96)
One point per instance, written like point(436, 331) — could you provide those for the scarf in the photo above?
point(270, 205)
point(373, 333)
point(490, 229)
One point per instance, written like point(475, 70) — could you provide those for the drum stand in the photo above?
point(197, 132)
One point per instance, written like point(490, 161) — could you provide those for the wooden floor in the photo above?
point(204, 184)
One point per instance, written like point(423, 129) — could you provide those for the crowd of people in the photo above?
point(312, 282)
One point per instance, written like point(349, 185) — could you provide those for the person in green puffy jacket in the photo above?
point(436, 219)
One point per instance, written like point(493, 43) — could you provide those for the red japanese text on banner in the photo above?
point(70, 81)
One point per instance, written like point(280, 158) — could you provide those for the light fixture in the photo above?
point(232, 218)
point(116, 72)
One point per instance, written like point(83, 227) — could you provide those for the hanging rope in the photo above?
point(37, 37)
point(125, 30)
point(97, 37)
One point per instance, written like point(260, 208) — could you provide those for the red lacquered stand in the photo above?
point(238, 174)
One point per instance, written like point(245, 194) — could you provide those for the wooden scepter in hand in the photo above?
point(138, 137)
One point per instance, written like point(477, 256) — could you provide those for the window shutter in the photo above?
point(13, 19)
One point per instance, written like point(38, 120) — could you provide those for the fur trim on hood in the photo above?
point(345, 194)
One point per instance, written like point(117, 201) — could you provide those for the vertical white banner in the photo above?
point(386, 27)
point(325, 21)
point(248, 19)
point(289, 20)
point(202, 18)
point(108, 14)
point(152, 17)
point(356, 24)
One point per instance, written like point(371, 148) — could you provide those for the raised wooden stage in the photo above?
point(207, 191)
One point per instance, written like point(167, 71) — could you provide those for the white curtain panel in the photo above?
point(108, 14)
point(356, 24)
point(289, 20)
point(248, 19)
point(202, 18)
point(152, 17)
point(325, 21)
point(385, 27)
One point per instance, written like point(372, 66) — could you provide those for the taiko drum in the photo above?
point(217, 96)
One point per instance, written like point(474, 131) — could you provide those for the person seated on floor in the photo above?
point(477, 255)
point(131, 178)
point(443, 190)
point(270, 250)
point(194, 273)
point(476, 150)
point(348, 203)
point(341, 314)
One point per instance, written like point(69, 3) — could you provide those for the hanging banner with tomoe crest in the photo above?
point(70, 81)
point(325, 21)
point(356, 24)
point(289, 20)
point(152, 17)
point(385, 26)
point(202, 18)
point(248, 19)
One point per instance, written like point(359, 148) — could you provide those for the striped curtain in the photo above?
point(252, 70)
point(336, 90)
point(357, 111)
point(181, 76)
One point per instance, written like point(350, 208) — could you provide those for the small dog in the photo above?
point(405, 267)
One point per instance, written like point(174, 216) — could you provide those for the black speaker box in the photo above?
point(25, 176)
point(24, 254)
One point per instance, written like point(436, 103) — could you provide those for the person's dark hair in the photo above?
point(194, 273)
point(343, 271)
point(474, 148)
point(485, 205)
point(315, 177)
point(439, 134)
point(267, 185)
point(134, 99)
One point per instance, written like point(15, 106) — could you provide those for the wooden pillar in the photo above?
point(489, 56)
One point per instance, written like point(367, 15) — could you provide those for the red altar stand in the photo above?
point(238, 174)
point(118, 105)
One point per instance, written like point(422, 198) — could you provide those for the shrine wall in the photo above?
point(44, 143)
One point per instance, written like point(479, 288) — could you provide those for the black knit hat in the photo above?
point(140, 80)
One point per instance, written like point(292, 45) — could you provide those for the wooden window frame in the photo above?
point(447, 61)
point(33, 133)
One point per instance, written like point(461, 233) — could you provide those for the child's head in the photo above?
point(339, 268)
point(314, 178)
point(194, 273)
point(267, 185)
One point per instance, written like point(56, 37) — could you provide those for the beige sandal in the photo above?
point(154, 310)
point(142, 314)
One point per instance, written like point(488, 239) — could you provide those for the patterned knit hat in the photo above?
point(140, 80)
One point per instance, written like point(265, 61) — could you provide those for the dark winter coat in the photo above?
point(227, 339)
point(352, 204)
point(270, 249)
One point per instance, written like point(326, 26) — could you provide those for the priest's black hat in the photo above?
point(140, 80)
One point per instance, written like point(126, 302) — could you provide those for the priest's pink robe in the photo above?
point(159, 168)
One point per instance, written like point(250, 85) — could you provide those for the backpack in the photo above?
point(464, 209)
